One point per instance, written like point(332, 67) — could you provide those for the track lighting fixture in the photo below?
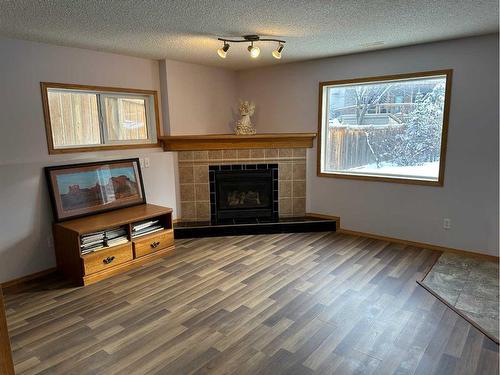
point(254, 50)
point(222, 52)
point(277, 51)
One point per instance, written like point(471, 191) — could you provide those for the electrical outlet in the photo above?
point(446, 223)
point(146, 162)
point(141, 162)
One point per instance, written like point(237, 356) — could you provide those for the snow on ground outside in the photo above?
point(429, 170)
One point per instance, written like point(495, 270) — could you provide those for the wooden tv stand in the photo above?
point(101, 264)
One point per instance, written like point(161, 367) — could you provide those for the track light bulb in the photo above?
point(254, 51)
point(277, 51)
point(222, 52)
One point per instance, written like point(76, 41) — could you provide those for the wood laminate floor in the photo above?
point(308, 303)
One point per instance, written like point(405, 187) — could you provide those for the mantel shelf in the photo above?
point(233, 142)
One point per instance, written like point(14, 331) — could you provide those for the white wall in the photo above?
point(286, 99)
point(201, 99)
point(25, 213)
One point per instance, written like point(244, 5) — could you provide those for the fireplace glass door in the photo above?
point(244, 194)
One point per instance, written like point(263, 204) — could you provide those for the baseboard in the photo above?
point(328, 217)
point(24, 279)
point(420, 244)
point(404, 242)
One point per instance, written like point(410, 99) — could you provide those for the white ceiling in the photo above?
point(187, 30)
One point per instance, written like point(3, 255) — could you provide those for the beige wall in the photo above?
point(286, 100)
point(25, 213)
point(201, 100)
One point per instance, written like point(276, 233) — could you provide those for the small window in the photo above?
point(83, 118)
point(390, 128)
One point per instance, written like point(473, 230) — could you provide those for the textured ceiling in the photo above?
point(187, 30)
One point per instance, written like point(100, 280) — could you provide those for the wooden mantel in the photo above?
point(233, 142)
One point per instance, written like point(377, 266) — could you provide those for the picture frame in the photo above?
point(84, 189)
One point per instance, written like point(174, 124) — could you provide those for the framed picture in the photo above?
point(84, 189)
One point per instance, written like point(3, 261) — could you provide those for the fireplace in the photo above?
point(243, 192)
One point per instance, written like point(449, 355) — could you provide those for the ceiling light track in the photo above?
point(251, 38)
point(253, 50)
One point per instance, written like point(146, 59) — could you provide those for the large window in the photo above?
point(390, 128)
point(86, 118)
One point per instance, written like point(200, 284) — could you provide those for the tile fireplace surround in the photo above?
point(194, 187)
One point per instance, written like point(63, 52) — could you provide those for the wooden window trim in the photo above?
point(48, 127)
point(444, 137)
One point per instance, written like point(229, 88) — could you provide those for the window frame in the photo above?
point(410, 180)
point(101, 91)
point(105, 133)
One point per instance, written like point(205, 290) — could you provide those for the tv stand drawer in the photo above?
point(108, 258)
point(150, 243)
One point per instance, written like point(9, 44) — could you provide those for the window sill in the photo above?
point(398, 180)
point(73, 150)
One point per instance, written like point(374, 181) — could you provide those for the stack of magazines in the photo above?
point(99, 240)
point(145, 227)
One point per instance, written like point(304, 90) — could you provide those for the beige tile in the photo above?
point(299, 153)
point(299, 189)
point(257, 153)
point(202, 192)
point(244, 154)
point(299, 171)
point(285, 206)
point(200, 173)
point(285, 152)
point(186, 174)
point(285, 171)
point(299, 206)
point(230, 154)
point(202, 210)
point(285, 189)
point(215, 154)
point(185, 155)
point(200, 155)
point(188, 210)
point(271, 153)
point(187, 192)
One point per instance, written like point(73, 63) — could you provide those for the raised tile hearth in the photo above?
point(253, 226)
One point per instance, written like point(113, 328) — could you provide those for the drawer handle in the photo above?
point(155, 244)
point(108, 260)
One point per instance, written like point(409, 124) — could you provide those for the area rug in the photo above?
point(469, 286)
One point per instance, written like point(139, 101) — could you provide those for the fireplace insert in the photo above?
point(243, 192)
